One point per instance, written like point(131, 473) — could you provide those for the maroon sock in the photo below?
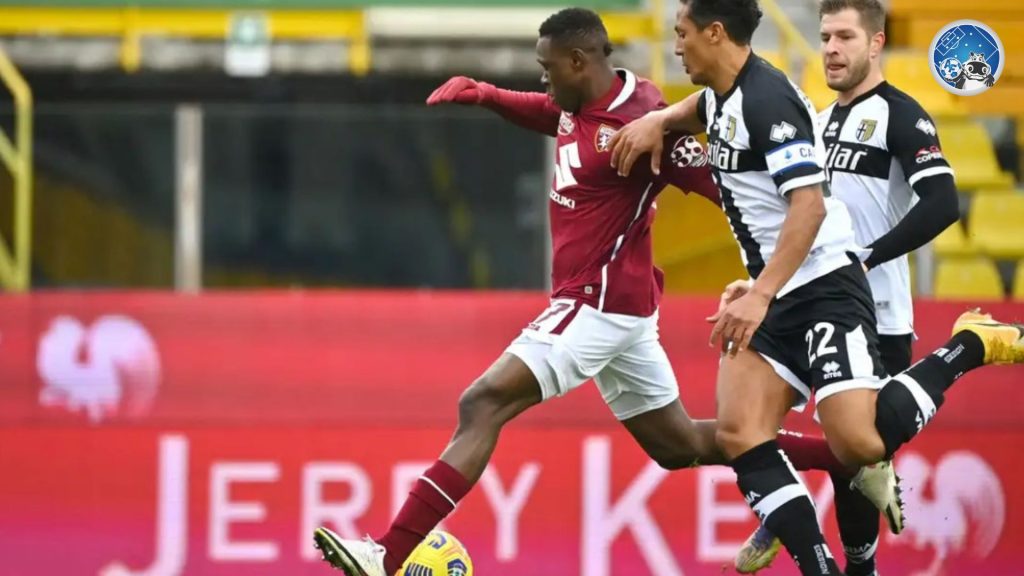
point(810, 453)
point(432, 498)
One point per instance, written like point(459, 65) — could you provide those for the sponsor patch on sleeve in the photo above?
point(793, 155)
point(928, 154)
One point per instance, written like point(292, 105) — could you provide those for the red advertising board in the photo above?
point(149, 433)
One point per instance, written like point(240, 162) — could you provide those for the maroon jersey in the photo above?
point(601, 222)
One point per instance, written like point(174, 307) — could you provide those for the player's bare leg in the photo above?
point(909, 400)
point(752, 402)
point(842, 418)
point(674, 440)
point(503, 392)
point(856, 514)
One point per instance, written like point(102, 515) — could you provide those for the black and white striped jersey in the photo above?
point(763, 142)
point(879, 146)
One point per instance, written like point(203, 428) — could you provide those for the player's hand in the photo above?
point(461, 90)
point(641, 136)
point(733, 291)
point(738, 322)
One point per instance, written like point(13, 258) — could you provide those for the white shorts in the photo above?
point(621, 353)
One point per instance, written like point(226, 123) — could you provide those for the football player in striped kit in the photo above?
point(882, 152)
point(805, 321)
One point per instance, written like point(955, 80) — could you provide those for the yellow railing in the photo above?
point(790, 38)
point(647, 26)
point(656, 9)
point(131, 25)
point(15, 264)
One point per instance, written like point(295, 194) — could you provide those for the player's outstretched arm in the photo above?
point(531, 110)
point(644, 135)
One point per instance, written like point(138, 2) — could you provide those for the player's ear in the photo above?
point(715, 32)
point(578, 58)
point(877, 44)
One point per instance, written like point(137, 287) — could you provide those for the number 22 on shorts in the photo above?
point(824, 331)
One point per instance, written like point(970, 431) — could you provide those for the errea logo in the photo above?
point(832, 370)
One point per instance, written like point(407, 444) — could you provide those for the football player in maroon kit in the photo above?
point(602, 322)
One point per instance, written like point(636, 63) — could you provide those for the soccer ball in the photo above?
point(950, 68)
point(439, 555)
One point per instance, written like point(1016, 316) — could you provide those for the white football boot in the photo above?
point(880, 484)
point(353, 557)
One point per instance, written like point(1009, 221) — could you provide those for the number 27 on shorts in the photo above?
point(553, 316)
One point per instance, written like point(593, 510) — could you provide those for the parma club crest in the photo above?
point(728, 131)
point(603, 137)
point(866, 130)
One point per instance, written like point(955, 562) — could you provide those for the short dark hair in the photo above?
point(577, 26)
point(872, 13)
point(739, 17)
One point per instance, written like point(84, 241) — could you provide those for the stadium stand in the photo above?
point(915, 23)
point(968, 279)
point(1018, 281)
point(970, 151)
point(365, 30)
point(996, 225)
point(953, 242)
point(909, 71)
point(994, 216)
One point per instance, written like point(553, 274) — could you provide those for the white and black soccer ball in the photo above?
point(687, 152)
point(951, 68)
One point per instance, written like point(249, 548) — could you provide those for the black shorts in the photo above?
point(896, 352)
point(823, 337)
